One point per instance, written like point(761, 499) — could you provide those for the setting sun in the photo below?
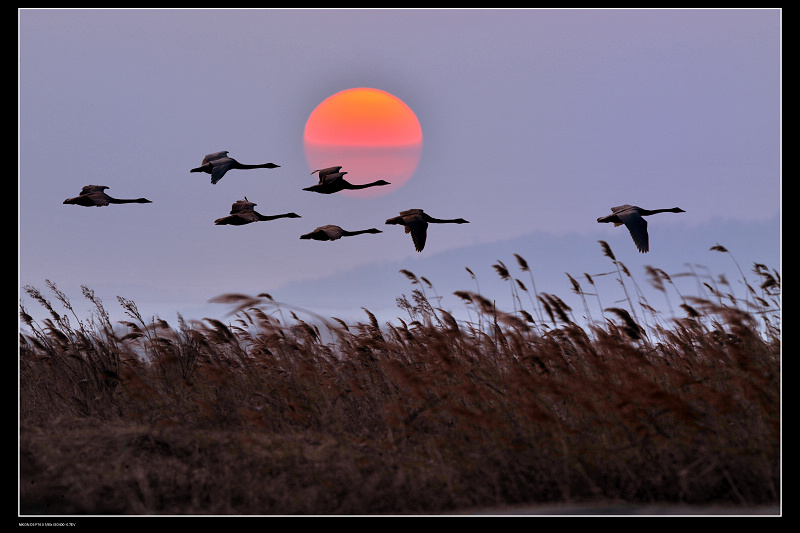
point(371, 133)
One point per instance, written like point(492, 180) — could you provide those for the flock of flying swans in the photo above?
point(331, 180)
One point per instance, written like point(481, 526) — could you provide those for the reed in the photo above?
point(277, 412)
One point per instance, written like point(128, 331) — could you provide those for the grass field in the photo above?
point(275, 413)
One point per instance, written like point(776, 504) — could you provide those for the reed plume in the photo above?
point(275, 410)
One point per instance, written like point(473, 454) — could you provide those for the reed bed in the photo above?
point(275, 412)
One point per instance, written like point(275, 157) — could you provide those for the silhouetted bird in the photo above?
point(242, 213)
point(93, 196)
point(332, 233)
point(217, 164)
point(631, 216)
point(416, 223)
point(333, 181)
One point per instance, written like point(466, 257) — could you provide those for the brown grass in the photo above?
point(269, 414)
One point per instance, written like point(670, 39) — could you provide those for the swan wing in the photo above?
point(637, 226)
point(89, 189)
point(219, 167)
point(329, 170)
point(330, 179)
point(418, 228)
point(625, 207)
point(99, 198)
point(215, 155)
point(333, 232)
point(242, 205)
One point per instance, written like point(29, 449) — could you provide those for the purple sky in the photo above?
point(535, 123)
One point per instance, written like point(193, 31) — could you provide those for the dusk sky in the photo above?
point(534, 124)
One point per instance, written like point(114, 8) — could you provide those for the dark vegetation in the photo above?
point(273, 413)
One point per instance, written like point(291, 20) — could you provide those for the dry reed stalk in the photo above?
point(497, 411)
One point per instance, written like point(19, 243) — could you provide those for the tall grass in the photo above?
point(277, 412)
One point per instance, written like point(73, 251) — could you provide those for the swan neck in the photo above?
point(646, 212)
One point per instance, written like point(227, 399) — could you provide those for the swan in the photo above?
point(218, 163)
point(242, 213)
point(332, 182)
point(631, 216)
point(332, 233)
point(416, 223)
point(94, 196)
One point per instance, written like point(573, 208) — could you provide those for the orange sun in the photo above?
point(372, 134)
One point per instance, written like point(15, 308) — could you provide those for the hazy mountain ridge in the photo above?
point(377, 286)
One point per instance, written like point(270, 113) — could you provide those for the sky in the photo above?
point(535, 123)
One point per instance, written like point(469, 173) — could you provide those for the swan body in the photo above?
point(95, 196)
point(332, 181)
point(416, 223)
point(332, 233)
point(218, 163)
point(243, 212)
point(632, 217)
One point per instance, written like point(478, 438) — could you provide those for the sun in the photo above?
point(363, 117)
point(371, 133)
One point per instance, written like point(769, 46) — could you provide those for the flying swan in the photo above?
point(631, 216)
point(416, 222)
point(94, 196)
point(218, 163)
